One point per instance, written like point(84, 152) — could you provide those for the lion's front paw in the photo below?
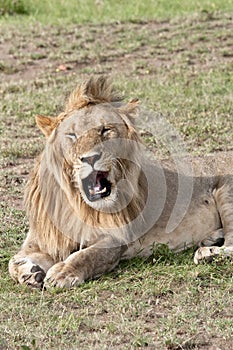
point(62, 275)
point(26, 272)
point(206, 253)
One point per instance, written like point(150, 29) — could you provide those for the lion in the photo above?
point(94, 199)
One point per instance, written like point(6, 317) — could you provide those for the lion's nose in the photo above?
point(91, 159)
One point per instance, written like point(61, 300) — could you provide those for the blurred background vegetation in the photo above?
point(80, 11)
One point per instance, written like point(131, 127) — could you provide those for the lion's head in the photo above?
point(92, 148)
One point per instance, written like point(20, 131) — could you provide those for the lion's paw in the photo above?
point(206, 253)
point(26, 272)
point(61, 275)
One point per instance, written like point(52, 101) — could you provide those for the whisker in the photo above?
point(116, 160)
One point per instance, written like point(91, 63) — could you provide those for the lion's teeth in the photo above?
point(103, 190)
point(93, 192)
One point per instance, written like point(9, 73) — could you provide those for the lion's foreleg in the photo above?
point(30, 265)
point(83, 265)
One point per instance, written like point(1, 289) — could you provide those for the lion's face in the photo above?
point(96, 144)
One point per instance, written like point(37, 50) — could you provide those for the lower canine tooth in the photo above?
point(93, 192)
point(102, 191)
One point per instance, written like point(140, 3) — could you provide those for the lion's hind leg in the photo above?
point(216, 238)
point(209, 247)
point(30, 268)
point(224, 201)
point(208, 253)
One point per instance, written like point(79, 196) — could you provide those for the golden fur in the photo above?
point(83, 218)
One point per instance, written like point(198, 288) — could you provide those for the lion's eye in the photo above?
point(72, 136)
point(106, 131)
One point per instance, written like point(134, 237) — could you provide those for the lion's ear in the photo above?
point(46, 124)
point(132, 109)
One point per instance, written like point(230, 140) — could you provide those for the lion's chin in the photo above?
point(96, 186)
point(105, 204)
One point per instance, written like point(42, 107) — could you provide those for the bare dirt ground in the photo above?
point(129, 48)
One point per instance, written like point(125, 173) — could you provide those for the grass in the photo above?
point(180, 67)
point(12, 7)
point(108, 10)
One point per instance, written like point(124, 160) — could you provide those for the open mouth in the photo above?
point(96, 185)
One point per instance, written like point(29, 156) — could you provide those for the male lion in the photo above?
point(93, 198)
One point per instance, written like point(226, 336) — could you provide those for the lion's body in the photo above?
point(93, 200)
point(202, 217)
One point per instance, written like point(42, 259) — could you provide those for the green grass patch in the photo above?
point(14, 7)
point(108, 10)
